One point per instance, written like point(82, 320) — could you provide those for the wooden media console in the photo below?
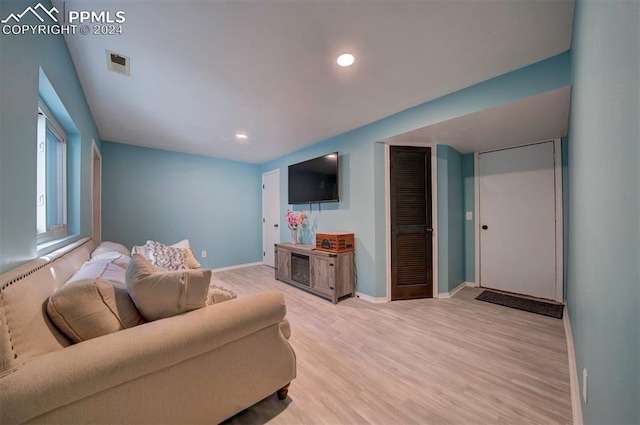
point(329, 275)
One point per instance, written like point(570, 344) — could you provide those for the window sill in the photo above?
point(47, 247)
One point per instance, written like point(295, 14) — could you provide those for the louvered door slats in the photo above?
point(411, 263)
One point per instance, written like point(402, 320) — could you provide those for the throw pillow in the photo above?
point(192, 263)
point(139, 249)
point(218, 294)
point(89, 308)
point(160, 294)
point(164, 256)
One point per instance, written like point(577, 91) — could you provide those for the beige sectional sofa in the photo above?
point(199, 367)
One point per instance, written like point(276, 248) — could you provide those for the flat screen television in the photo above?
point(315, 180)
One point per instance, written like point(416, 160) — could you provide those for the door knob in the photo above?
point(485, 227)
point(275, 225)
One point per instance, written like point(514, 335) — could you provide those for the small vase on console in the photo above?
point(295, 219)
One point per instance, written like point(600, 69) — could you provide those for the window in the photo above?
point(51, 192)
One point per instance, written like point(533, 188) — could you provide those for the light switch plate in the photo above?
point(203, 254)
point(469, 215)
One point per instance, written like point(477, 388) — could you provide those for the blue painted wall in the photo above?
point(450, 219)
point(379, 175)
point(360, 209)
point(167, 196)
point(603, 290)
point(356, 211)
point(456, 218)
point(469, 190)
point(22, 58)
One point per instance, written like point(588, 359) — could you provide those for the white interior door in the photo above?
point(270, 215)
point(517, 217)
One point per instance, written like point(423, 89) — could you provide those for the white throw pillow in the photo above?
point(160, 294)
point(140, 250)
point(89, 308)
point(164, 256)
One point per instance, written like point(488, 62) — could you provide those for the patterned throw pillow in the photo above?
point(164, 256)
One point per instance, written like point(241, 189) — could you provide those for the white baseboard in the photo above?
point(371, 299)
point(576, 405)
point(237, 266)
point(456, 290)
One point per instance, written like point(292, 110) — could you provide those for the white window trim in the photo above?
point(47, 234)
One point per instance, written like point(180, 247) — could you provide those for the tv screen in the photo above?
point(315, 180)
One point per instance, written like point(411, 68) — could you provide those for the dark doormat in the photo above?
point(533, 306)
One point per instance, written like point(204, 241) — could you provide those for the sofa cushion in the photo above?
point(109, 250)
point(160, 294)
point(110, 270)
point(88, 308)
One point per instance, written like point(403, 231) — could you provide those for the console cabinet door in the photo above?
point(283, 264)
point(323, 275)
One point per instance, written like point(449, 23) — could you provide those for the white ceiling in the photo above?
point(533, 119)
point(203, 70)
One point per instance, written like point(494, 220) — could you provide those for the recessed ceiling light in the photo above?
point(346, 59)
point(241, 137)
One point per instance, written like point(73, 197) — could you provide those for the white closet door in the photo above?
point(517, 219)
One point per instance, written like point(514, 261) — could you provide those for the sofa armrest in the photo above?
point(70, 374)
point(285, 328)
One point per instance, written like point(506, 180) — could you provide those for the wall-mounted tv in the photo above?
point(315, 180)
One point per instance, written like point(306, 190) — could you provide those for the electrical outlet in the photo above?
point(203, 254)
point(585, 375)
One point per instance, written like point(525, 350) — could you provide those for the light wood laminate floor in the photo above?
point(429, 361)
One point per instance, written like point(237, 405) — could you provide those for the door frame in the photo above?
point(434, 209)
point(557, 157)
point(96, 216)
point(264, 248)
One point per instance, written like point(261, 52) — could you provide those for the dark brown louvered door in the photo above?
point(411, 232)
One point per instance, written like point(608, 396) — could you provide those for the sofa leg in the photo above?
point(282, 392)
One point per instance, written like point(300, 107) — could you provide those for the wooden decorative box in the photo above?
point(335, 242)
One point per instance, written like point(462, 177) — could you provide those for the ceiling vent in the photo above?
point(118, 63)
